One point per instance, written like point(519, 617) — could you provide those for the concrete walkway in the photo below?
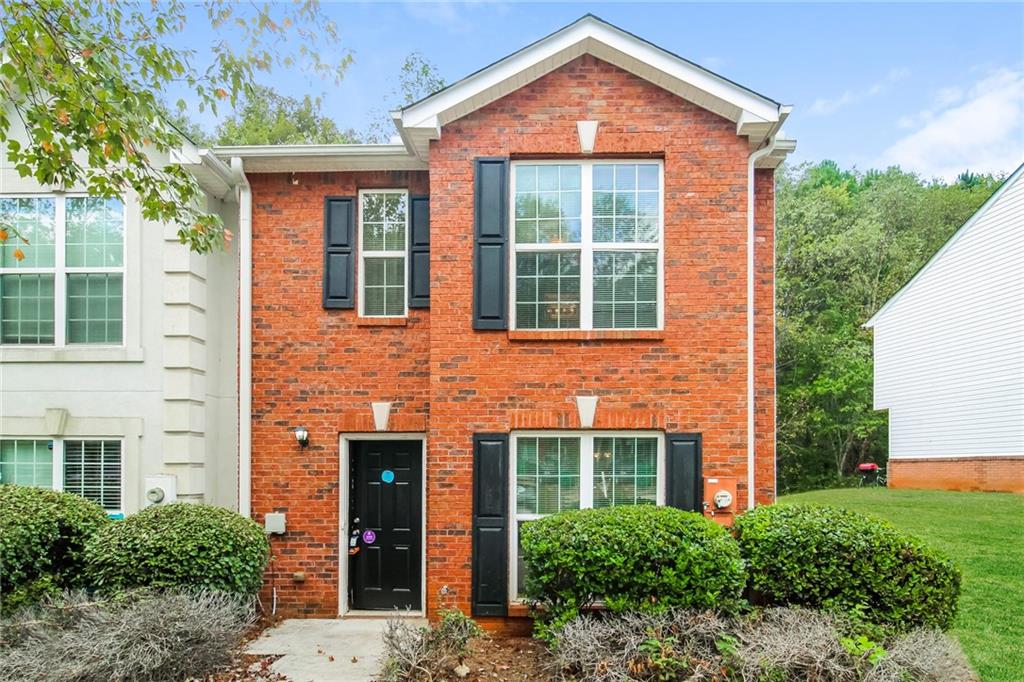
point(315, 650)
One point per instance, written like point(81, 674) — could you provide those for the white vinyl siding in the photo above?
point(949, 351)
point(90, 468)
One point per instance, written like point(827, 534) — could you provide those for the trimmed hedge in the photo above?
point(834, 559)
point(43, 534)
point(180, 545)
point(630, 558)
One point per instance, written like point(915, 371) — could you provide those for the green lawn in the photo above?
point(984, 534)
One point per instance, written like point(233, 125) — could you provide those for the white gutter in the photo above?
point(244, 338)
point(768, 148)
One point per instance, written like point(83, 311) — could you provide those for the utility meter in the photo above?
point(723, 499)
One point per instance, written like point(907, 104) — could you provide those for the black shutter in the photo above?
point(339, 252)
point(490, 256)
point(490, 524)
point(685, 485)
point(419, 252)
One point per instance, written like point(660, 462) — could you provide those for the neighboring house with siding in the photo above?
point(949, 357)
point(556, 292)
point(118, 348)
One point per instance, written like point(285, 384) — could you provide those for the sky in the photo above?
point(934, 88)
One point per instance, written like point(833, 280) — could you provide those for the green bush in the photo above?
point(630, 558)
point(834, 559)
point(43, 534)
point(179, 545)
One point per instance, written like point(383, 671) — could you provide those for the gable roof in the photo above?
point(953, 239)
point(755, 115)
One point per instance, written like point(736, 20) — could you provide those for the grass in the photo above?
point(984, 534)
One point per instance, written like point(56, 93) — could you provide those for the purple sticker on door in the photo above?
point(369, 537)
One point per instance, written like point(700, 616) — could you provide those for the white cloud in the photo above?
point(824, 105)
point(981, 130)
point(454, 17)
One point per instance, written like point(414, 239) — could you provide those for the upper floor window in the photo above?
point(69, 288)
point(383, 230)
point(90, 468)
point(587, 245)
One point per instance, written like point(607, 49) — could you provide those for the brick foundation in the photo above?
point(989, 474)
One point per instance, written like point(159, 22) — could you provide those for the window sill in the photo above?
point(70, 354)
point(585, 335)
point(382, 321)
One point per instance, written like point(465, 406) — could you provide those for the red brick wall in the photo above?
point(989, 474)
point(322, 369)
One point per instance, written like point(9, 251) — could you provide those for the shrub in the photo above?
point(426, 653)
point(824, 557)
point(629, 558)
point(773, 645)
point(139, 636)
point(179, 545)
point(43, 534)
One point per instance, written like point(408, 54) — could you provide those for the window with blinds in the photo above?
point(92, 469)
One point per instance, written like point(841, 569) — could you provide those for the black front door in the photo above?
point(386, 510)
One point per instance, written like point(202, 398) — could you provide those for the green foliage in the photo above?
point(846, 243)
point(417, 78)
point(860, 647)
point(179, 545)
point(43, 534)
point(84, 84)
point(830, 558)
point(629, 558)
point(266, 117)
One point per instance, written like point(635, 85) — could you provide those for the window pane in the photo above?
point(27, 462)
point(548, 204)
point(547, 475)
point(625, 471)
point(92, 469)
point(94, 232)
point(384, 286)
point(548, 290)
point(26, 309)
point(626, 202)
point(625, 289)
point(95, 308)
point(383, 218)
point(34, 219)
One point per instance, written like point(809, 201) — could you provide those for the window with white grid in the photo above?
point(553, 472)
point(91, 468)
point(383, 234)
point(68, 289)
point(587, 245)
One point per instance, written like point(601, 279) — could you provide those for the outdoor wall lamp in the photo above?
point(301, 436)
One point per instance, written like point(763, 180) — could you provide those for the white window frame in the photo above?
point(586, 247)
point(58, 462)
point(60, 272)
point(586, 483)
point(363, 254)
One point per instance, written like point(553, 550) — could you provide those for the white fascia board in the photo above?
point(323, 157)
point(429, 113)
point(962, 230)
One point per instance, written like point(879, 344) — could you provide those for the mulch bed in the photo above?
point(507, 659)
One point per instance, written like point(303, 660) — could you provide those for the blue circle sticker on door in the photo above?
point(388, 476)
point(369, 537)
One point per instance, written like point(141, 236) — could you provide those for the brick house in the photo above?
point(556, 292)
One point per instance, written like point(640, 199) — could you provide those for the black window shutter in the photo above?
point(685, 485)
point(490, 255)
point(490, 524)
point(419, 252)
point(339, 252)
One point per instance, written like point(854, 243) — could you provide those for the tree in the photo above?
point(83, 83)
point(267, 117)
point(846, 243)
point(417, 79)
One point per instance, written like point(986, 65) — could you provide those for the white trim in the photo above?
point(961, 231)
point(244, 337)
point(586, 482)
point(586, 247)
point(344, 441)
point(363, 254)
point(60, 272)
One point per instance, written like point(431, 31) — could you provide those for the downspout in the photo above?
point(768, 148)
point(244, 338)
